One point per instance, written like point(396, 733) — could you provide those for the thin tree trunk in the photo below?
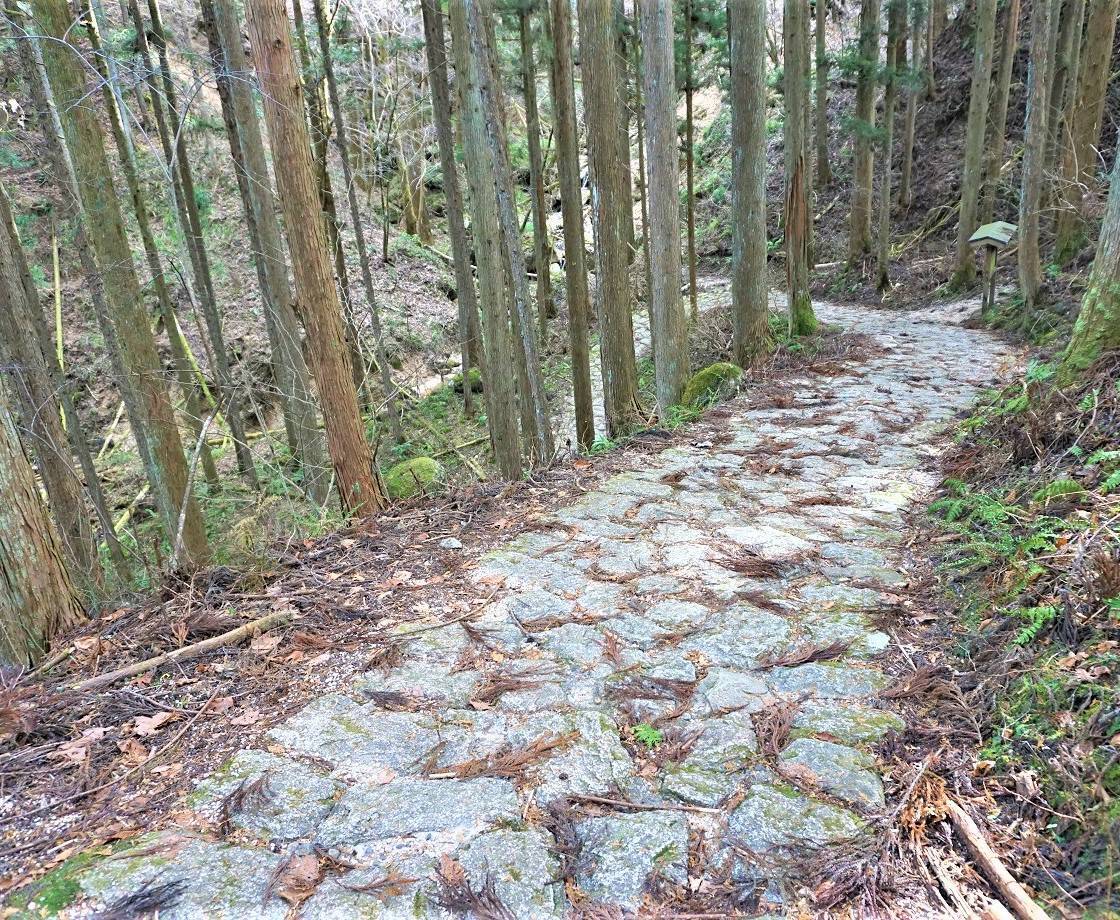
point(1034, 156)
point(1064, 86)
point(542, 251)
point(690, 163)
point(1080, 159)
point(142, 386)
point(896, 40)
point(610, 200)
point(466, 299)
point(863, 168)
point(498, 385)
point(669, 322)
point(972, 178)
point(31, 382)
point(270, 36)
point(343, 146)
point(511, 233)
point(37, 597)
point(997, 123)
point(184, 374)
point(620, 26)
point(905, 186)
point(746, 27)
point(571, 203)
point(1098, 324)
point(802, 320)
point(824, 169)
point(231, 401)
point(292, 377)
point(643, 193)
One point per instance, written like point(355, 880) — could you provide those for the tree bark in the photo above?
point(343, 145)
point(623, 71)
point(37, 597)
point(643, 192)
point(1098, 324)
point(270, 36)
point(824, 169)
point(293, 380)
point(467, 300)
point(997, 123)
point(34, 388)
point(1080, 159)
point(669, 324)
point(143, 386)
point(896, 42)
point(571, 204)
point(863, 168)
point(905, 182)
point(542, 251)
point(690, 162)
point(1064, 87)
point(532, 393)
point(498, 385)
point(746, 27)
point(802, 320)
point(204, 282)
point(1034, 155)
point(972, 177)
point(611, 199)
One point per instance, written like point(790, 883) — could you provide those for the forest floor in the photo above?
point(676, 689)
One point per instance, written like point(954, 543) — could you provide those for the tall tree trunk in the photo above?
point(270, 36)
point(643, 193)
point(342, 143)
point(746, 27)
point(1064, 87)
point(542, 251)
point(498, 386)
point(466, 298)
point(184, 374)
point(192, 230)
point(292, 378)
point(1034, 155)
point(1098, 323)
point(611, 200)
point(59, 162)
point(620, 26)
point(896, 43)
point(533, 394)
point(824, 169)
point(571, 204)
point(143, 386)
point(905, 182)
point(1080, 159)
point(669, 324)
point(997, 123)
point(690, 162)
point(972, 177)
point(37, 597)
point(34, 387)
point(795, 20)
point(863, 167)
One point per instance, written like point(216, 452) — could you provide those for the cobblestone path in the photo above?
point(675, 599)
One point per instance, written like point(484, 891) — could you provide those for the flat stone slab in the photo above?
point(845, 772)
point(778, 816)
point(623, 852)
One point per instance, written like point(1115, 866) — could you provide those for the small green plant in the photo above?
point(648, 735)
point(602, 445)
point(1037, 619)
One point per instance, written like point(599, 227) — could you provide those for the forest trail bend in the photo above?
point(642, 647)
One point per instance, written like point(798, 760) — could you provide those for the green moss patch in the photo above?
point(420, 475)
point(712, 383)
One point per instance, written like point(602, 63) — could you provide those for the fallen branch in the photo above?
point(253, 628)
point(1012, 892)
point(638, 806)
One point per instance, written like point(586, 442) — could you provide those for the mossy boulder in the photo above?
point(412, 477)
point(475, 377)
point(711, 384)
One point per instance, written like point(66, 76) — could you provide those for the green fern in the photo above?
point(1038, 618)
point(1060, 488)
point(1112, 482)
point(648, 735)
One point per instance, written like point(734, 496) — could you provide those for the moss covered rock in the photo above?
point(711, 383)
point(421, 474)
point(475, 376)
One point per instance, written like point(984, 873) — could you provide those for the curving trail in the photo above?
point(679, 595)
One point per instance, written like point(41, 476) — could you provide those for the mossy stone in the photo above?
point(421, 474)
point(475, 377)
point(711, 383)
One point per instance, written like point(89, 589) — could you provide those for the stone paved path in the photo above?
point(661, 598)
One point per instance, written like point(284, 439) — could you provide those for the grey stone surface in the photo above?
point(844, 772)
point(774, 816)
point(623, 852)
point(850, 724)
